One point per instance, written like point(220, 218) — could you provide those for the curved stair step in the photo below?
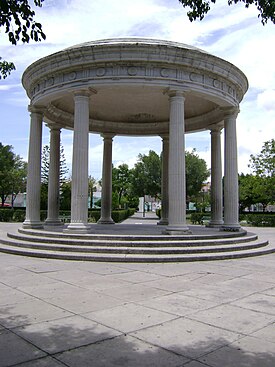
point(137, 249)
point(136, 257)
point(147, 242)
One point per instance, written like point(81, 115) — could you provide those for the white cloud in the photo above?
point(266, 100)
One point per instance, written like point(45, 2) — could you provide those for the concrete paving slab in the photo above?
point(266, 276)
point(216, 293)
point(102, 283)
point(178, 304)
point(134, 292)
point(25, 313)
point(129, 352)
point(84, 301)
point(138, 277)
point(243, 353)
point(270, 291)
point(43, 362)
point(130, 317)
point(258, 302)
point(10, 296)
point(52, 290)
point(266, 333)
point(64, 334)
point(21, 279)
point(234, 318)
point(187, 337)
point(14, 350)
point(177, 283)
point(195, 364)
point(247, 284)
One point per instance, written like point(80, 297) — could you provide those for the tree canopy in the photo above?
point(13, 173)
point(263, 163)
point(259, 187)
point(18, 19)
point(199, 8)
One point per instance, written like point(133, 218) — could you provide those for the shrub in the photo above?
point(19, 215)
point(6, 215)
point(196, 218)
point(261, 220)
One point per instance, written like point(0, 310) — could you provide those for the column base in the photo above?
point(53, 222)
point(163, 222)
point(32, 224)
point(105, 221)
point(78, 227)
point(177, 230)
point(214, 224)
point(231, 228)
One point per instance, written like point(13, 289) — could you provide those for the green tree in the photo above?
point(13, 173)
point(146, 175)
point(263, 164)
point(65, 195)
point(18, 19)
point(92, 188)
point(45, 166)
point(196, 174)
point(263, 167)
point(121, 181)
point(247, 184)
point(199, 8)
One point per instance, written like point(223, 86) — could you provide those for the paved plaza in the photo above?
point(67, 313)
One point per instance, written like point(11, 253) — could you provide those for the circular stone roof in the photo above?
point(130, 80)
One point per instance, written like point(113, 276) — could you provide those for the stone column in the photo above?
point(54, 177)
point(79, 201)
point(231, 197)
point(176, 175)
point(106, 194)
point(216, 178)
point(34, 169)
point(164, 181)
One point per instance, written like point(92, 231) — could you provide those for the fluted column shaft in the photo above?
point(106, 194)
point(164, 181)
point(231, 197)
point(54, 178)
point(176, 176)
point(216, 179)
point(79, 201)
point(34, 169)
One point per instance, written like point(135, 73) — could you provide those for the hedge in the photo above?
point(19, 214)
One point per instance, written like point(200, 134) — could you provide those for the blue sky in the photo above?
point(232, 33)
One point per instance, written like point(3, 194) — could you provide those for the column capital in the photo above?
point(230, 111)
point(107, 135)
point(84, 92)
point(215, 129)
point(53, 126)
point(36, 109)
point(175, 92)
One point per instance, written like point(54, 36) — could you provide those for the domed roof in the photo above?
point(135, 41)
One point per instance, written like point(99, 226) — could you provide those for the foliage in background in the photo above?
point(196, 172)
point(259, 187)
point(13, 174)
point(199, 8)
point(17, 19)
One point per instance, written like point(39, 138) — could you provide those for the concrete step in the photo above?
point(144, 257)
point(135, 248)
point(147, 241)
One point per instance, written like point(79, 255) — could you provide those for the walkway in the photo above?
point(58, 313)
